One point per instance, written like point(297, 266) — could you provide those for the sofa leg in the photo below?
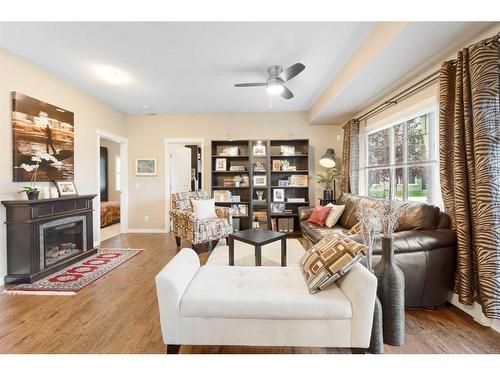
point(212, 244)
point(173, 349)
point(358, 350)
point(178, 241)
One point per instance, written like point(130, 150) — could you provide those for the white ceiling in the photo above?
point(189, 67)
point(193, 66)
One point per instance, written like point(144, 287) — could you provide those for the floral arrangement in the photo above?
point(371, 225)
point(237, 179)
point(38, 158)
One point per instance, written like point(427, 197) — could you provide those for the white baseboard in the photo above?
point(147, 230)
point(475, 311)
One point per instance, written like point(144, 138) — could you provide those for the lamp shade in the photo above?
point(328, 159)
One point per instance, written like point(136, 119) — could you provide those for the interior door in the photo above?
point(180, 169)
point(104, 174)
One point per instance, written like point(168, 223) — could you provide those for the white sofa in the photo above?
point(261, 306)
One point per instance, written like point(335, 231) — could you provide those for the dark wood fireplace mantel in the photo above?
point(25, 224)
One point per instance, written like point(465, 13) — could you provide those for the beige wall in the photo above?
point(146, 136)
point(90, 115)
point(113, 152)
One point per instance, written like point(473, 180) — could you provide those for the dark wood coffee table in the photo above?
point(257, 238)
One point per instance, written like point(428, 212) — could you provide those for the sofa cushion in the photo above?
point(204, 208)
point(260, 293)
point(334, 215)
point(320, 214)
point(316, 233)
point(328, 260)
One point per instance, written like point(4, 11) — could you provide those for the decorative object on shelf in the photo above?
point(235, 198)
point(369, 221)
point(245, 181)
point(222, 195)
point(259, 166)
point(239, 209)
point(259, 150)
point(287, 150)
point(43, 131)
point(278, 195)
point(299, 180)
point(284, 165)
point(260, 180)
point(391, 282)
point(284, 183)
point(259, 194)
point(145, 167)
point(255, 223)
point(66, 188)
point(327, 178)
point(236, 168)
point(277, 165)
point(291, 168)
point(237, 180)
point(328, 159)
point(277, 208)
point(296, 200)
point(230, 151)
point(221, 164)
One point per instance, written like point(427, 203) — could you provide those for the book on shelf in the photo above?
point(228, 182)
point(296, 200)
point(274, 226)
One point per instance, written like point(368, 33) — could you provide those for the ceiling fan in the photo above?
point(277, 78)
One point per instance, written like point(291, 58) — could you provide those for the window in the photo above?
point(118, 173)
point(404, 156)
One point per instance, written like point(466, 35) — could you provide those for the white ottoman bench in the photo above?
point(261, 306)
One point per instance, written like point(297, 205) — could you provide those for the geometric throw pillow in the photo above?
point(329, 260)
point(355, 229)
point(334, 215)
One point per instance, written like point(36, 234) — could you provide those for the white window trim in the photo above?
point(434, 157)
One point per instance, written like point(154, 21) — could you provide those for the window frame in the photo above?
point(432, 161)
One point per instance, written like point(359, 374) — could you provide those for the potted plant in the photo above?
point(327, 177)
point(32, 191)
point(237, 180)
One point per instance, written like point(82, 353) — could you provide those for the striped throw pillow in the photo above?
point(329, 260)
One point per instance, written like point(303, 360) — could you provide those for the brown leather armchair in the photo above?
point(424, 247)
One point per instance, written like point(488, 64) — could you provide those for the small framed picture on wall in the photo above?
point(66, 188)
point(220, 164)
point(145, 167)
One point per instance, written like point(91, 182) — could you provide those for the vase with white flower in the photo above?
point(39, 158)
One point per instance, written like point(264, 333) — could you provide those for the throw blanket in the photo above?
point(110, 213)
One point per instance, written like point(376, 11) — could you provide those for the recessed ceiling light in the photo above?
point(112, 75)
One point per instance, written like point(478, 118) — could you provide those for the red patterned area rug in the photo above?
point(70, 280)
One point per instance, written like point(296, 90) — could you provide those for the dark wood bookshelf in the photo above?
point(271, 151)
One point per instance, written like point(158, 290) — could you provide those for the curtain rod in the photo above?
point(400, 96)
point(414, 88)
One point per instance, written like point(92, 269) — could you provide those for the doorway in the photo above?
point(183, 168)
point(112, 172)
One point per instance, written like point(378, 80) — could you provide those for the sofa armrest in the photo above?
point(305, 212)
point(171, 283)
point(360, 287)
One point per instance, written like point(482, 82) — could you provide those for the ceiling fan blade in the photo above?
point(251, 84)
point(287, 94)
point(292, 71)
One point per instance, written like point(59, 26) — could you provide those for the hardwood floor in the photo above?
point(118, 314)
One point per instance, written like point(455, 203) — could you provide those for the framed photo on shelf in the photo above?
point(145, 167)
point(230, 151)
point(259, 180)
point(259, 150)
point(278, 195)
point(283, 183)
point(65, 188)
point(287, 150)
point(222, 195)
point(220, 164)
point(259, 166)
point(299, 180)
point(235, 198)
point(276, 165)
point(239, 209)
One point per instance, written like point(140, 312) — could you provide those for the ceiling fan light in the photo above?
point(275, 88)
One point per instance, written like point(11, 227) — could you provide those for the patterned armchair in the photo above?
point(193, 230)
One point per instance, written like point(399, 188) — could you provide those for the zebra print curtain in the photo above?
point(350, 158)
point(469, 131)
